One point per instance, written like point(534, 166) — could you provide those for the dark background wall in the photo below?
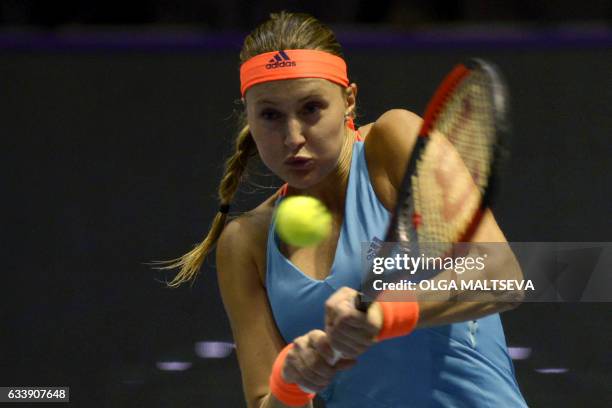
point(112, 147)
point(232, 14)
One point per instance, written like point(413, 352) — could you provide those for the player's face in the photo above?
point(299, 127)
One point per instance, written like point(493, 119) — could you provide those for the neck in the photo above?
point(332, 189)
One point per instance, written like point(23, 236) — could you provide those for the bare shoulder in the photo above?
point(398, 120)
point(391, 140)
point(242, 244)
point(388, 146)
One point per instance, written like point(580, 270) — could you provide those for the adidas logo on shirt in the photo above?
point(280, 60)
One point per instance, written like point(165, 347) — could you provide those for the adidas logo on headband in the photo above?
point(281, 59)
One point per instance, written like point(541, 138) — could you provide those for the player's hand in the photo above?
point(350, 331)
point(310, 362)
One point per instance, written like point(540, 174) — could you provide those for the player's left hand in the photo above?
point(350, 331)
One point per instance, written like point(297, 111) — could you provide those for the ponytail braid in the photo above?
point(235, 170)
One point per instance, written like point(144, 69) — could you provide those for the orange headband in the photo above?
point(289, 64)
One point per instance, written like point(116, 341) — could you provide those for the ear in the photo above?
point(350, 93)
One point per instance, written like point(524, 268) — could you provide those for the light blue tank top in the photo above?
point(457, 365)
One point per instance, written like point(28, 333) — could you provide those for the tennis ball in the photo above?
point(302, 221)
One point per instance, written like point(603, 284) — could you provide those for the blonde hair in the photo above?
point(283, 30)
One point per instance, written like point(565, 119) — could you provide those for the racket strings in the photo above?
point(453, 171)
point(468, 123)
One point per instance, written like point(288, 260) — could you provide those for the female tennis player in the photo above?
point(290, 307)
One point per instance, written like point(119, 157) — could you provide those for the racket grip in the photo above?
point(361, 303)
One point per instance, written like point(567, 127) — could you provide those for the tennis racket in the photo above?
point(452, 173)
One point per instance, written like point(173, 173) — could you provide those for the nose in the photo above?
point(294, 137)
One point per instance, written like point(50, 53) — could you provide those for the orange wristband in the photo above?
point(288, 394)
point(399, 319)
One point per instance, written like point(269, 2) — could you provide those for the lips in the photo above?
point(299, 163)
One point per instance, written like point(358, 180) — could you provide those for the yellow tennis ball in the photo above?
point(302, 221)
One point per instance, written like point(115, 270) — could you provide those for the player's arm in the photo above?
point(257, 339)
point(500, 264)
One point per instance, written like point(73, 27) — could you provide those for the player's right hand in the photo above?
point(310, 362)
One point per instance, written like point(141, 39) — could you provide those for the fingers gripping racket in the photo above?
point(452, 173)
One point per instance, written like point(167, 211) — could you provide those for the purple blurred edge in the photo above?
point(191, 41)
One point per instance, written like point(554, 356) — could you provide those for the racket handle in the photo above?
point(361, 303)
